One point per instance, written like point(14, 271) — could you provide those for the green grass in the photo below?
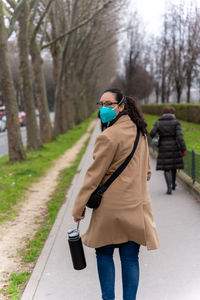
point(34, 246)
point(190, 131)
point(15, 282)
point(16, 178)
point(31, 252)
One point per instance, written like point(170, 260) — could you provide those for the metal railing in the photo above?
point(191, 163)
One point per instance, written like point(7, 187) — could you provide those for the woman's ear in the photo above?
point(121, 107)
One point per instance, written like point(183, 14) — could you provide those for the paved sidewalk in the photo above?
point(170, 273)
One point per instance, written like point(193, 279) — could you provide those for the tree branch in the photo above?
point(42, 17)
point(7, 12)
point(78, 26)
point(44, 33)
point(32, 3)
point(12, 3)
point(33, 8)
point(15, 16)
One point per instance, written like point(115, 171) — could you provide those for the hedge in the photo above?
point(185, 112)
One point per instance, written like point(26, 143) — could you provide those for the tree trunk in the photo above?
point(63, 121)
point(15, 145)
point(163, 84)
point(60, 123)
point(157, 92)
point(178, 92)
point(69, 104)
point(57, 99)
point(33, 135)
point(56, 53)
point(168, 91)
point(188, 93)
point(46, 133)
point(167, 95)
point(163, 92)
point(62, 105)
point(189, 80)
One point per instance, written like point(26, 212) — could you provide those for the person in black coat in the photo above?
point(171, 147)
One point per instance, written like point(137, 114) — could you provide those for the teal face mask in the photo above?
point(107, 114)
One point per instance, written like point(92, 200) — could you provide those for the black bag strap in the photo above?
point(120, 169)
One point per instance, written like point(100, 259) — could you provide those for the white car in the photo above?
point(3, 124)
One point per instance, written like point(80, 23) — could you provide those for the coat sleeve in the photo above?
point(103, 155)
point(154, 130)
point(179, 137)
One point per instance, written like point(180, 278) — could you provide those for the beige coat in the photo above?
point(125, 213)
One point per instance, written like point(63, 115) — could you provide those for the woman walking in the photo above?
point(124, 218)
point(171, 146)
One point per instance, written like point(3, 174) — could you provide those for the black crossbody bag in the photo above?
point(95, 199)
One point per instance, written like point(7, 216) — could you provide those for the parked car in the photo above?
point(22, 118)
point(3, 124)
point(2, 111)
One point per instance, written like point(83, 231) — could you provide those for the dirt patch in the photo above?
point(13, 234)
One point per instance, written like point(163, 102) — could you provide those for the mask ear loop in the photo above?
point(123, 100)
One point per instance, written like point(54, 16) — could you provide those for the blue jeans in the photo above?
point(130, 270)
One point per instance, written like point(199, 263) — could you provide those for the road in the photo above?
point(4, 139)
point(170, 273)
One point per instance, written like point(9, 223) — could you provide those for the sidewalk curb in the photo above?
point(185, 180)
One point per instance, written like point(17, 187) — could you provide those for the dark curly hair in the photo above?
point(131, 108)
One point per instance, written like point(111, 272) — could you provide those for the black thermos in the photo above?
point(76, 249)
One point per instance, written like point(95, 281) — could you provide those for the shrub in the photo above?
point(185, 112)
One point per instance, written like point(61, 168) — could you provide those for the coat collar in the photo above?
point(167, 117)
point(122, 113)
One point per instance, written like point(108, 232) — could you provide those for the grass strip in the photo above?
point(16, 178)
point(33, 248)
point(191, 132)
point(14, 286)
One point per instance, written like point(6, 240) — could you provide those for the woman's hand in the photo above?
point(77, 220)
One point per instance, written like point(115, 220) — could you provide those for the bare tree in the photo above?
point(192, 51)
point(79, 36)
point(46, 132)
point(14, 64)
point(33, 135)
point(134, 52)
point(63, 46)
point(177, 51)
point(16, 149)
point(136, 80)
point(26, 14)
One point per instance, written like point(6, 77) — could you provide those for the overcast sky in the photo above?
point(151, 11)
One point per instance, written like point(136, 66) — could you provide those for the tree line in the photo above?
point(79, 39)
point(76, 42)
point(178, 52)
point(168, 63)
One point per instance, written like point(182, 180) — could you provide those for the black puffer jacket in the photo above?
point(171, 144)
